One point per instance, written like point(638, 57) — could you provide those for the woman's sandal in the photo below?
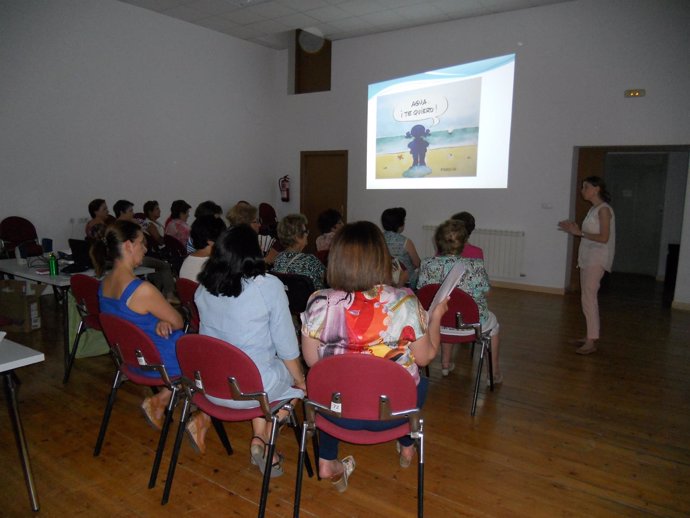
point(340, 481)
point(150, 406)
point(258, 458)
point(196, 432)
point(404, 462)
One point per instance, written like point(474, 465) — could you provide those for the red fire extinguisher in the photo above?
point(284, 186)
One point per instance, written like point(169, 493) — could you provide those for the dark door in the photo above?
point(323, 185)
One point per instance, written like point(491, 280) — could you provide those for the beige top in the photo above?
point(593, 252)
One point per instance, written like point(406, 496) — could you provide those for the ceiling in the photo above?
point(271, 22)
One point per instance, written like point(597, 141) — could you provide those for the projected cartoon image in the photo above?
point(418, 151)
point(444, 143)
point(443, 129)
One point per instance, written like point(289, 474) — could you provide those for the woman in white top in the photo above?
point(205, 231)
point(595, 255)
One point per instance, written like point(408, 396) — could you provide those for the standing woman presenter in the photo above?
point(595, 255)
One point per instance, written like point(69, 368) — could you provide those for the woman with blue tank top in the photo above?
point(123, 294)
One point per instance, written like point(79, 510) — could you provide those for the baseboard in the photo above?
point(683, 306)
point(527, 287)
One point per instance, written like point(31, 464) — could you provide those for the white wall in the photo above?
point(574, 60)
point(101, 99)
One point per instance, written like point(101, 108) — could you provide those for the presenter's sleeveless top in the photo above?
point(593, 253)
point(147, 323)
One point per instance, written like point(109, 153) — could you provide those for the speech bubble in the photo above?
point(421, 107)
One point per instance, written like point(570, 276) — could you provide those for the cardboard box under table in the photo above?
point(20, 302)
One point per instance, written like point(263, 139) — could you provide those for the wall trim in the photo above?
point(530, 287)
point(682, 306)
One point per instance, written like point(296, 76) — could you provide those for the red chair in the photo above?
point(174, 252)
point(186, 290)
point(298, 288)
point(358, 386)
point(85, 291)
point(214, 367)
point(134, 352)
point(322, 255)
point(17, 232)
point(461, 324)
point(269, 220)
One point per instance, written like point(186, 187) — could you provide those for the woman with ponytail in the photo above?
point(124, 295)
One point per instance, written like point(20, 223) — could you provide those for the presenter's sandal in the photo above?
point(588, 348)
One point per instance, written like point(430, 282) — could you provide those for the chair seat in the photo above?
point(225, 413)
point(361, 436)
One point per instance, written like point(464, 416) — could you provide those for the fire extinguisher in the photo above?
point(284, 186)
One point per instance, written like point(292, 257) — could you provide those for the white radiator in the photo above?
point(504, 250)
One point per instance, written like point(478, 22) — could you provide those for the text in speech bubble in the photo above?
point(421, 107)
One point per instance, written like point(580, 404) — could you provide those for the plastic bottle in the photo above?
point(52, 264)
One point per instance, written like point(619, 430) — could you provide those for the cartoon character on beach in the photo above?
point(418, 148)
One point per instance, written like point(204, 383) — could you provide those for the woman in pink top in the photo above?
point(595, 255)
point(469, 251)
point(177, 226)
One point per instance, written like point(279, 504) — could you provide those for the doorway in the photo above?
point(323, 185)
point(647, 184)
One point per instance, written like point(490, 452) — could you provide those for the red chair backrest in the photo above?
point(298, 288)
point(216, 361)
point(16, 230)
point(460, 302)
point(85, 291)
point(361, 379)
point(127, 338)
point(174, 246)
point(186, 290)
point(322, 255)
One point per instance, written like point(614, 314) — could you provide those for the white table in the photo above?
point(60, 282)
point(14, 356)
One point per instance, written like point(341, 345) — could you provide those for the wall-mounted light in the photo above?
point(635, 92)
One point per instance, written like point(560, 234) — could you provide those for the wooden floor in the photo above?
point(565, 435)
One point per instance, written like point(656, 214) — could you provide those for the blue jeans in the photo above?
point(328, 445)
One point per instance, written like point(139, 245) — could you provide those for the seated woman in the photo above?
point(123, 294)
point(95, 228)
point(242, 305)
point(177, 224)
point(329, 222)
point(205, 231)
point(451, 237)
point(401, 248)
point(151, 225)
point(293, 235)
point(470, 251)
point(340, 321)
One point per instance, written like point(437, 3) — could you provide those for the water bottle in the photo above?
point(52, 264)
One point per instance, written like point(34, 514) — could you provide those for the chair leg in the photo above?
point(491, 364)
point(300, 466)
point(295, 427)
point(119, 378)
point(267, 469)
point(163, 437)
point(176, 450)
point(222, 435)
point(478, 380)
point(315, 447)
point(420, 476)
point(73, 352)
